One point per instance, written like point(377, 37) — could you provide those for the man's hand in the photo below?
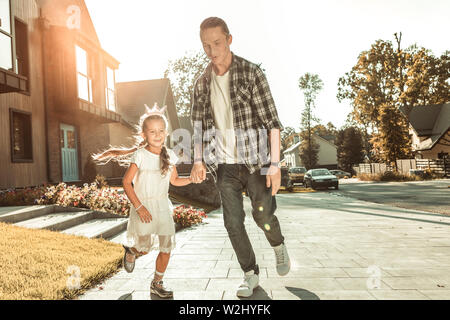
point(273, 178)
point(198, 172)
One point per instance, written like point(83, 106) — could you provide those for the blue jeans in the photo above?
point(232, 180)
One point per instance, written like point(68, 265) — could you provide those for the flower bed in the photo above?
point(21, 197)
point(89, 196)
point(188, 216)
point(95, 196)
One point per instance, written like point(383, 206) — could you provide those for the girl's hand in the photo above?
point(144, 214)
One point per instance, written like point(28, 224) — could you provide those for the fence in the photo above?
point(439, 166)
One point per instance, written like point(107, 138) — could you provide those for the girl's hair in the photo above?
point(122, 155)
point(213, 22)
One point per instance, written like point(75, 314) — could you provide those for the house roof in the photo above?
point(430, 120)
point(63, 14)
point(296, 145)
point(131, 97)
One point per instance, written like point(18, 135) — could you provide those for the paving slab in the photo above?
point(340, 248)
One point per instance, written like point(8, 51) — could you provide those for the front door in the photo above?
point(69, 153)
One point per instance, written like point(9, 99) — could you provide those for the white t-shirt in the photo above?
point(223, 117)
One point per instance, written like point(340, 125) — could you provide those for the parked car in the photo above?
point(297, 174)
point(341, 174)
point(317, 178)
point(286, 180)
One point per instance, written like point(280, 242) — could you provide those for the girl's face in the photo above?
point(155, 132)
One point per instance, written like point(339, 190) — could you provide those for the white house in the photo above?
point(327, 156)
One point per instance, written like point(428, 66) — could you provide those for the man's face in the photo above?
point(216, 44)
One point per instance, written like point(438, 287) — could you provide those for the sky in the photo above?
point(288, 37)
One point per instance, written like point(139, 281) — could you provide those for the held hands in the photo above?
point(144, 214)
point(198, 172)
point(273, 179)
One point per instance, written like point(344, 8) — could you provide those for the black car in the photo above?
point(320, 178)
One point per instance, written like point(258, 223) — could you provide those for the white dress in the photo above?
point(152, 190)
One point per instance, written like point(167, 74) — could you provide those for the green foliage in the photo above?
point(324, 131)
point(310, 84)
point(392, 141)
point(21, 197)
point(89, 196)
point(182, 73)
point(349, 148)
point(187, 216)
point(309, 150)
point(385, 79)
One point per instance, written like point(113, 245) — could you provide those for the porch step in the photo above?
point(99, 228)
point(17, 214)
point(57, 221)
point(119, 238)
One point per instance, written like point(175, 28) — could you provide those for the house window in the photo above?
point(22, 62)
point(84, 82)
point(21, 142)
point(110, 89)
point(6, 56)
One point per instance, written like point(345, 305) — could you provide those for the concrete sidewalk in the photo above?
point(340, 248)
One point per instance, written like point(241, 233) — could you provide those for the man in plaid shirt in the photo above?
point(231, 113)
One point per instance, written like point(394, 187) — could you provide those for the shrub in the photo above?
point(188, 216)
point(89, 196)
point(21, 197)
point(387, 176)
point(101, 181)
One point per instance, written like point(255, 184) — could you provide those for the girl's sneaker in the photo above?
point(159, 289)
point(128, 266)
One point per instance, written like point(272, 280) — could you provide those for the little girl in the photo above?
point(152, 167)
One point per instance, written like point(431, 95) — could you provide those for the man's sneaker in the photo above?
point(251, 281)
point(282, 257)
point(159, 289)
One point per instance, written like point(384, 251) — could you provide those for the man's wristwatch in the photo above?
point(276, 164)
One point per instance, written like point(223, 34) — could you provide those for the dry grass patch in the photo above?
point(296, 189)
point(35, 264)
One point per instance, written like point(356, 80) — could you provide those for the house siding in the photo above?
point(35, 172)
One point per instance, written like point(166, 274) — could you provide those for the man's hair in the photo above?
point(213, 22)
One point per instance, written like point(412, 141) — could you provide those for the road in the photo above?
point(431, 196)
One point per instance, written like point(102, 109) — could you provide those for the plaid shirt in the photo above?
point(253, 109)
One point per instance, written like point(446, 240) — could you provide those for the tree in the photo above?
point(309, 150)
point(182, 73)
point(349, 148)
point(310, 84)
point(325, 131)
point(392, 141)
point(385, 79)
